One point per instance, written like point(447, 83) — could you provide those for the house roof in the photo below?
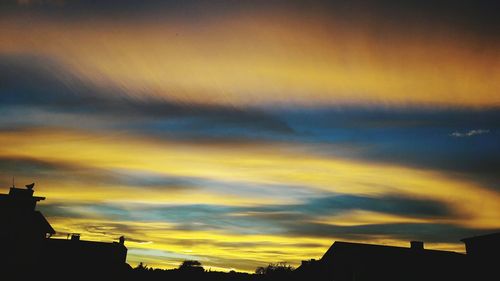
point(42, 223)
point(84, 243)
point(18, 215)
point(495, 236)
point(384, 252)
point(34, 223)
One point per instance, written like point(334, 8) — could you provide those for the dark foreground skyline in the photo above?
point(240, 133)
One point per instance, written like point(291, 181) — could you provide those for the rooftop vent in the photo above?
point(417, 245)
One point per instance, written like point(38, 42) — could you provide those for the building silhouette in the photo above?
point(483, 254)
point(347, 261)
point(26, 240)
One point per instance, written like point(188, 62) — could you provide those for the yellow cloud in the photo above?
point(260, 60)
point(262, 164)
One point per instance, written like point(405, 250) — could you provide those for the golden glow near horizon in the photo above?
point(288, 62)
point(262, 164)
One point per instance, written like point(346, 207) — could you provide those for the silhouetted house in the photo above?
point(25, 239)
point(310, 269)
point(90, 254)
point(356, 261)
point(483, 246)
point(483, 253)
point(18, 216)
point(23, 229)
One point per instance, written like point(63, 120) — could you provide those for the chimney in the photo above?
point(417, 245)
point(75, 237)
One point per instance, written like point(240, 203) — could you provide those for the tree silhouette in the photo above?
point(141, 267)
point(274, 268)
point(191, 266)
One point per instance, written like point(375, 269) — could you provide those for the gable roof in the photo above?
point(42, 224)
point(372, 251)
point(19, 217)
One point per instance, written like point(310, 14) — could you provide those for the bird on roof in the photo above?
point(30, 186)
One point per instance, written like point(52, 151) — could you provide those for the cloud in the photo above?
point(428, 232)
point(470, 133)
point(265, 219)
point(37, 91)
point(40, 2)
point(411, 137)
point(296, 61)
point(391, 204)
point(126, 181)
point(27, 169)
point(463, 15)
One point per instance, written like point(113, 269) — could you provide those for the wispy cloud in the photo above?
point(470, 133)
point(290, 62)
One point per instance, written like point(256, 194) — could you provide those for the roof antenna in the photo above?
point(13, 182)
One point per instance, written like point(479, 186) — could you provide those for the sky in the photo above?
point(242, 133)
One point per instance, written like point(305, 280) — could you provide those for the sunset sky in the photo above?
point(240, 133)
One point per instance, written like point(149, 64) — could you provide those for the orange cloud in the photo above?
point(258, 164)
point(258, 60)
